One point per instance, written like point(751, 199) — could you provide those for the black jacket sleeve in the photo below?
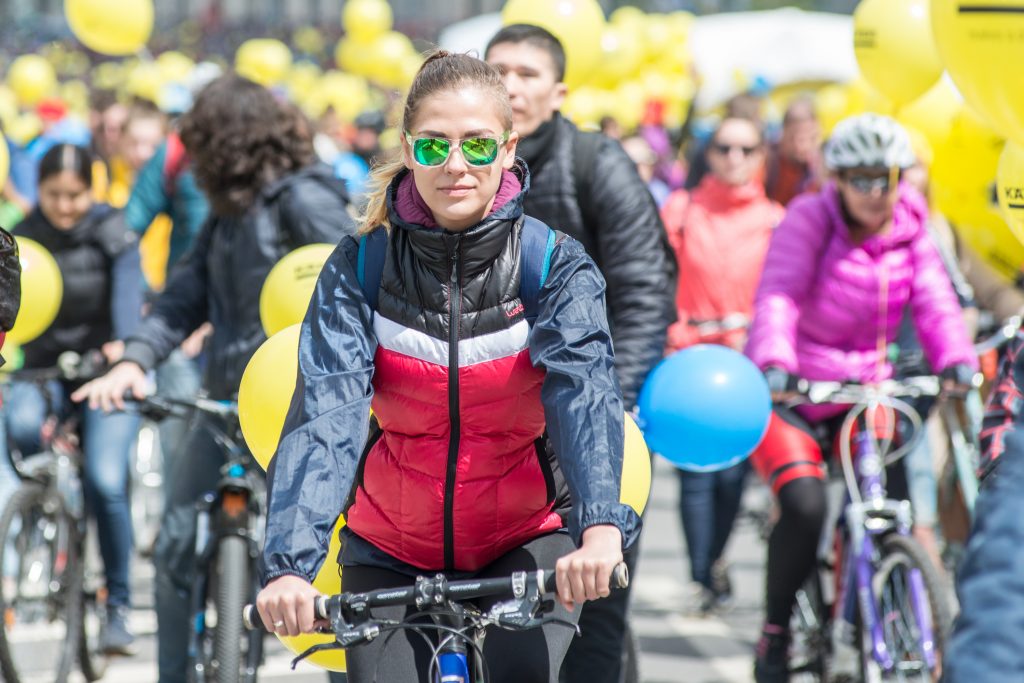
point(637, 262)
point(178, 311)
point(312, 472)
point(10, 281)
point(582, 404)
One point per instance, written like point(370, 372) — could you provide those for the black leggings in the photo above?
point(533, 656)
point(793, 546)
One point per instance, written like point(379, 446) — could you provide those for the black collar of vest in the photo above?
point(481, 243)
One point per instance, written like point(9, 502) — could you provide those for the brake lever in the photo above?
point(321, 647)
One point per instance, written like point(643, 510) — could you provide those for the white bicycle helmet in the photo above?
point(868, 140)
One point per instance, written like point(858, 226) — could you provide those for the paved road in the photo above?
point(674, 647)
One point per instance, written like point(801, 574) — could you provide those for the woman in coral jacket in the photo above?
point(841, 269)
point(720, 233)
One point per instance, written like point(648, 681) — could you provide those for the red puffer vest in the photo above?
point(459, 475)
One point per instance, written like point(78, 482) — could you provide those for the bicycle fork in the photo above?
point(866, 522)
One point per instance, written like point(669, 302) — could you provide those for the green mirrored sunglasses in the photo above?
point(477, 151)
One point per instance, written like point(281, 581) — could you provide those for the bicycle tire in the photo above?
point(28, 497)
point(91, 661)
point(233, 583)
point(897, 550)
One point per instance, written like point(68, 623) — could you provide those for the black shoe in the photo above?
point(772, 663)
point(115, 638)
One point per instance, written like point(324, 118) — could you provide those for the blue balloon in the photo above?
point(705, 408)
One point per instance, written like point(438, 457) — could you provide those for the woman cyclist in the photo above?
point(840, 270)
point(457, 478)
point(98, 258)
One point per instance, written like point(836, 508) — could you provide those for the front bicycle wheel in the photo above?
point(40, 587)
point(232, 593)
point(912, 606)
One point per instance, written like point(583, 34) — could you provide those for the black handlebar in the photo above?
point(437, 591)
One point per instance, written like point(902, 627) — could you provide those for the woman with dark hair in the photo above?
point(499, 422)
point(98, 258)
point(254, 159)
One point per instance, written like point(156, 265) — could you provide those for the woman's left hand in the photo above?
point(584, 574)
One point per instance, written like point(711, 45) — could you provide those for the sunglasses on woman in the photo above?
point(477, 151)
point(725, 149)
point(868, 184)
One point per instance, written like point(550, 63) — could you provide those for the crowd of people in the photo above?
point(498, 418)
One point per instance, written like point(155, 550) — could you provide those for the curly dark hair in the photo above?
point(239, 139)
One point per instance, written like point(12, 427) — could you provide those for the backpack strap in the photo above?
point(175, 161)
point(536, 242)
point(370, 264)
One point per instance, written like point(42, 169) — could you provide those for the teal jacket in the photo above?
point(179, 197)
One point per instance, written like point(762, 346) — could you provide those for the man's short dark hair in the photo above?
point(536, 36)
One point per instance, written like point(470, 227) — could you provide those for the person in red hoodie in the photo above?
point(720, 233)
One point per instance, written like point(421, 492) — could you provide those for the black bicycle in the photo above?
point(229, 533)
point(460, 625)
point(51, 597)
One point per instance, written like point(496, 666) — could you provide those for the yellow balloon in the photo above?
point(111, 27)
point(144, 81)
point(388, 53)
point(933, 112)
point(354, 56)
point(289, 286)
point(658, 38)
point(963, 187)
point(31, 78)
point(5, 162)
point(42, 289)
point(578, 24)
point(1010, 185)
point(174, 67)
point(636, 468)
point(622, 53)
point(263, 60)
point(894, 47)
point(266, 392)
point(328, 582)
point(983, 50)
point(364, 20)
point(585, 106)
point(348, 94)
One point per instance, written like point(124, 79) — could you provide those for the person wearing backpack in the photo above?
point(586, 185)
point(720, 232)
point(480, 338)
point(254, 159)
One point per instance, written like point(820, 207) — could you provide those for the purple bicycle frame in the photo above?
point(858, 573)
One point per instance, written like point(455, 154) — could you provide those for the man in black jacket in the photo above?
point(10, 284)
point(586, 186)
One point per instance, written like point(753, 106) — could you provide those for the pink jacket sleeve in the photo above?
point(789, 271)
point(936, 311)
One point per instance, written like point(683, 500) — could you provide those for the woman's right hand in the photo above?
point(107, 392)
point(287, 606)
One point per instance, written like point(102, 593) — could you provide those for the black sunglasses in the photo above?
point(725, 150)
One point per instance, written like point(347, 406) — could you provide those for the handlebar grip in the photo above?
point(620, 577)
point(253, 621)
point(251, 618)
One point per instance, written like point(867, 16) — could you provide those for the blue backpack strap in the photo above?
point(370, 264)
point(536, 242)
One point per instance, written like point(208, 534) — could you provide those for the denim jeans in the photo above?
point(177, 377)
point(106, 442)
point(708, 504)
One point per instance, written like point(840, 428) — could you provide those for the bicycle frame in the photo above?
point(864, 522)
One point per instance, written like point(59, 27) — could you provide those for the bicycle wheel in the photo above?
point(41, 595)
point(92, 661)
point(902, 559)
point(232, 593)
point(809, 651)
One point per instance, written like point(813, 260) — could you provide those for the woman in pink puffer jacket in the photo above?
point(842, 268)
